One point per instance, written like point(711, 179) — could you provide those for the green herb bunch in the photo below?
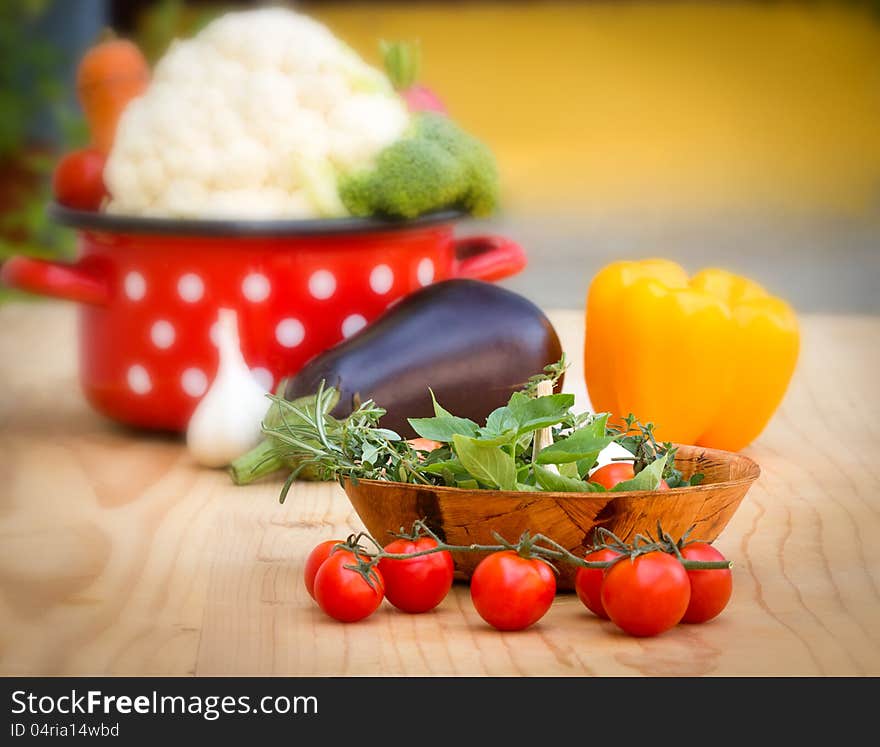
point(500, 454)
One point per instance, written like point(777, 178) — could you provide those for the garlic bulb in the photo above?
point(226, 423)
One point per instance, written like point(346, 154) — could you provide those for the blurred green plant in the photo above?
point(171, 19)
point(30, 87)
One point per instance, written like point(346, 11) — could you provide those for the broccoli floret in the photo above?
point(480, 195)
point(437, 165)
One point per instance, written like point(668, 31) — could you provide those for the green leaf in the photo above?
point(500, 421)
point(488, 464)
point(584, 466)
point(451, 471)
point(468, 484)
point(443, 427)
point(533, 414)
point(386, 434)
point(500, 429)
point(501, 439)
point(579, 445)
point(570, 469)
point(369, 453)
point(524, 487)
point(549, 480)
point(439, 411)
point(437, 468)
point(648, 479)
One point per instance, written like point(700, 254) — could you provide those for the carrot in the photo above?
point(109, 76)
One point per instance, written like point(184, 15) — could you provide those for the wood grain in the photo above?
point(119, 556)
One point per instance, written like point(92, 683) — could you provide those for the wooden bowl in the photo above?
point(463, 517)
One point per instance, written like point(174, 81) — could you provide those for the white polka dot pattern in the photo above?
point(135, 286)
point(256, 287)
point(190, 287)
point(290, 332)
point(139, 380)
point(425, 271)
point(381, 279)
point(353, 324)
point(263, 376)
point(214, 333)
point(194, 382)
point(322, 284)
point(162, 334)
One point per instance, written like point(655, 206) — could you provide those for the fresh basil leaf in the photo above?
point(549, 480)
point(570, 469)
point(443, 427)
point(696, 479)
point(500, 429)
point(524, 487)
point(436, 468)
point(439, 411)
point(579, 445)
point(450, 471)
point(541, 412)
point(500, 421)
point(585, 465)
point(501, 439)
point(648, 479)
point(469, 484)
point(489, 464)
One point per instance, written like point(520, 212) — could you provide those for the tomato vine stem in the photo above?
point(529, 545)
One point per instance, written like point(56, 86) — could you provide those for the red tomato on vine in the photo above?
point(511, 592)
point(416, 584)
point(343, 593)
point(314, 561)
point(710, 589)
point(588, 581)
point(646, 595)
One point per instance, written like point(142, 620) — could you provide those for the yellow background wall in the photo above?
point(664, 106)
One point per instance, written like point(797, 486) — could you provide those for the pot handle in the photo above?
point(487, 257)
point(70, 282)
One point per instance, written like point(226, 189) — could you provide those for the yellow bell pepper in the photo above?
point(707, 359)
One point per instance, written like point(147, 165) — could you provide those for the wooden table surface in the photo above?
point(119, 556)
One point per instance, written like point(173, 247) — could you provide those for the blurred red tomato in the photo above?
point(78, 181)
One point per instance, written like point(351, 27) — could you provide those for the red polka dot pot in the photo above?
point(149, 291)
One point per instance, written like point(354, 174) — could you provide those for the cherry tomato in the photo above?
point(418, 584)
point(588, 582)
point(647, 595)
point(78, 180)
point(710, 590)
point(314, 562)
point(511, 592)
point(343, 593)
point(615, 472)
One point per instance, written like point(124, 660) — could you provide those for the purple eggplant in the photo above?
point(472, 343)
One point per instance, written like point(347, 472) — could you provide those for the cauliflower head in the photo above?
point(252, 118)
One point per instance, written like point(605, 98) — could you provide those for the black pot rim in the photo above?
point(89, 220)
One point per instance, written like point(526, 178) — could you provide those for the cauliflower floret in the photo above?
point(254, 117)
